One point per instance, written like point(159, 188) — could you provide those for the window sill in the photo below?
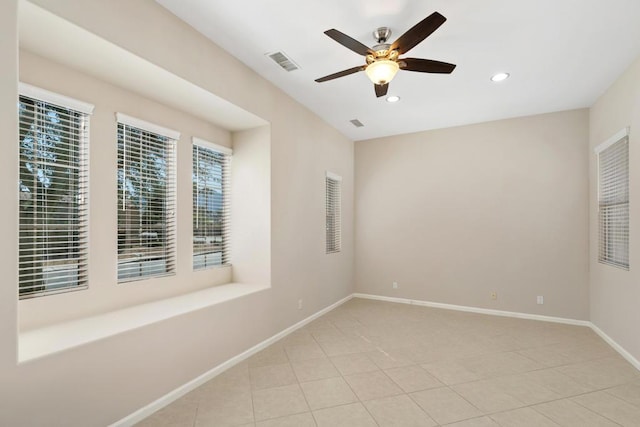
point(63, 336)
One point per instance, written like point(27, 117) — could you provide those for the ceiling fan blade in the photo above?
point(426, 66)
point(381, 90)
point(341, 73)
point(349, 42)
point(418, 32)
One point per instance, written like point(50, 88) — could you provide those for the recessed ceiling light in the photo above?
point(393, 98)
point(500, 77)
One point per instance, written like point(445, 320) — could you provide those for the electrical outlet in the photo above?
point(494, 295)
point(300, 304)
point(395, 285)
point(540, 299)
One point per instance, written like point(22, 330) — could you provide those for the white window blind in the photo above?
point(613, 202)
point(333, 203)
point(146, 200)
point(211, 210)
point(53, 187)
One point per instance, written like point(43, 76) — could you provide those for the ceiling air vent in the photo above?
point(283, 60)
point(357, 123)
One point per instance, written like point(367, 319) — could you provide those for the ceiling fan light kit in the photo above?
point(382, 60)
point(382, 71)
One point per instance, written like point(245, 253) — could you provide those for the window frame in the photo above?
point(333, 213)
point(611, 232)
point(225, 176)
point(77, 152)
point(169, 139)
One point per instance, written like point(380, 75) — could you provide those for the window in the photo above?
point(333, 184)
point(613, 200)
point(211, 180)
point(53, 181)
point(146, 199)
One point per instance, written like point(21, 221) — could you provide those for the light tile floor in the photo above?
point(371, 363)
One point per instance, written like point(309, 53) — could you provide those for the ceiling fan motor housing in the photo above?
point(382, 34)
point(382, 49)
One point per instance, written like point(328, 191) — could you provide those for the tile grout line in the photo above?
point(571, 399)
point(195, 418)
point(253, 405)
point(620, 397)
point(602, 415)
point(431, 416)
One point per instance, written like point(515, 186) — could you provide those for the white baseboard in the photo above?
point(477, 310)
point(617, 347)
point(174, 395)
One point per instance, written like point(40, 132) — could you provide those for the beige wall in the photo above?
point(250, 204)
point(455, 214)
point(101, 382)
point(615, 293)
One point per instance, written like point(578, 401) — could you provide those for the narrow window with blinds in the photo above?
point(146, 200)
point(211, 186)
point(53, 186)
point(333, 202)
point(613, 201)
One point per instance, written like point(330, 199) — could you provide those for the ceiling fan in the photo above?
point(382, 60)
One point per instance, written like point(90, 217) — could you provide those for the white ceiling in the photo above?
point(562, 54)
